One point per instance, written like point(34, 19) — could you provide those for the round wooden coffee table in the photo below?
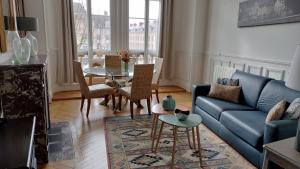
point(158, 110)
point(193, 121)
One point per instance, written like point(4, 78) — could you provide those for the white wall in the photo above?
point(189, 28)
point(272, 42)
point(34, 8)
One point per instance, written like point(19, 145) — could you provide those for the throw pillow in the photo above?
point(228, 82)
point(228, 93)
point(276, 112)
point(293, 111)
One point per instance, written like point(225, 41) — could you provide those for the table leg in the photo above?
point(266, 160)
point(199, 145)
point(188, 135)
point(174, 147)
point(152, 128)
point(154, 132)
point(159, 135)
point(193, 134)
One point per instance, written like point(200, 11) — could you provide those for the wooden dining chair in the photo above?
point(156, 76)
point(140, 88)
point(93, 91)
point(113, 65)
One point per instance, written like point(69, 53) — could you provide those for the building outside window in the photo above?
point(93, 26)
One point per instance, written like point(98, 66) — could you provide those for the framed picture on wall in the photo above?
point(268, 12)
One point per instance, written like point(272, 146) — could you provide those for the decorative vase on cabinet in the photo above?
point(169, 103)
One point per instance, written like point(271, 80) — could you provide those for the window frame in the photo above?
point(91, 51)
point(146, 51)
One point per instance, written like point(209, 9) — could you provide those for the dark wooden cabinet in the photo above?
point(24, 93)
point(17, 144)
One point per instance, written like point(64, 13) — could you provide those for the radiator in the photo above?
point(222, 72)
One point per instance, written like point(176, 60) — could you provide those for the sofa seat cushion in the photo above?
point(215, 107)
point(248, 125)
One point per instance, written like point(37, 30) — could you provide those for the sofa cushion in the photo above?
point(215, 107)
point(274, 92)
point(248, 125)
point(223, 92)
point(251, 85)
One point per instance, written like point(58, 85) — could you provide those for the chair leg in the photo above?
point(120, 102)
point(90, 80)
point(82, 102)
point(157, 98)
point(149, 106)
point(131, 109)
point(88, 107)
point(113, 100)
point(106, 99)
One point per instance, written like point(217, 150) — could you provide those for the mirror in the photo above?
point(3, 11)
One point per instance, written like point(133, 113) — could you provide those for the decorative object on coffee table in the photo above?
point(293, 82)
point(182, 115)
point(169, 103)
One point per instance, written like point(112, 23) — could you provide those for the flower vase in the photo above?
point(126, 68)
point(169, 103)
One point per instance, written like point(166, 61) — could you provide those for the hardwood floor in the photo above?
point(88, 133)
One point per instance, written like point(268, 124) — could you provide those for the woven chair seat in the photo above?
point(100, 90)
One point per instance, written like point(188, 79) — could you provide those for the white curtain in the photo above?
point(65, 73)
point(165, 49)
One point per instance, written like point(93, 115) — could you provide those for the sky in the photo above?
point(136, 7)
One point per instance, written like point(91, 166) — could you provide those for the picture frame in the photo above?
point(268, 12)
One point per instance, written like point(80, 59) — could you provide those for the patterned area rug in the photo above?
point(60, 142)
point(129, 147)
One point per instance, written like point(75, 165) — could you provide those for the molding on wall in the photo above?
point(265, 67)
point(246, 58)
point(186, 65)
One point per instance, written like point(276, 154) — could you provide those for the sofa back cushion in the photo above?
point(252, 86)
point(274, 92)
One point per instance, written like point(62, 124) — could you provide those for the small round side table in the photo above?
point(192, 122)
point(158, 110)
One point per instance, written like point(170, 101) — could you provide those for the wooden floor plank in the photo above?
point(88, 133)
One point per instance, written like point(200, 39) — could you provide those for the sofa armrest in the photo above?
point(279, 129)
point(199, 90)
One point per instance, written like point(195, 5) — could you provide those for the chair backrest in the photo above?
point(113, 64)
point(79, 74)
point(141, 81)
point(157, 70)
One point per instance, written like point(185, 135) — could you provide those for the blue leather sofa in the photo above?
point(243, 125)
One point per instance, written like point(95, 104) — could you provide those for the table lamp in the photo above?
point(29, 24)
point(293, 82)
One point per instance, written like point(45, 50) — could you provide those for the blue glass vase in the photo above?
point(169, 103)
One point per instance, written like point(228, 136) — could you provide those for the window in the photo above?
point(144, 26)
point(100, 25)
point(137, 25)
point(80, 22)
point(94, 30)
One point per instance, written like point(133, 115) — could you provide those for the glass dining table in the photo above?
point(99, 69)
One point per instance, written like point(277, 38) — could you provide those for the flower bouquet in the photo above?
point(125, 58)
